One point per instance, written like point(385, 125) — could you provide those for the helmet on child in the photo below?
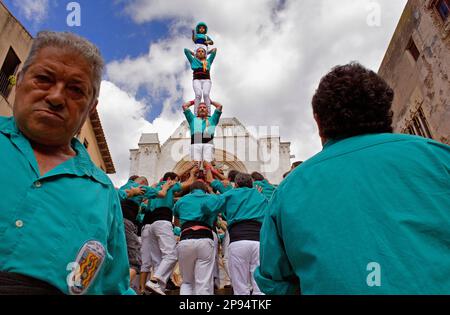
point(201, 24)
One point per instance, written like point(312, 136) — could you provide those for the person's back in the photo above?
point(381, 199)
point(367, 215)
point(243, 204)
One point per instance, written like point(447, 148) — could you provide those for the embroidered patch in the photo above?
point(88, 263)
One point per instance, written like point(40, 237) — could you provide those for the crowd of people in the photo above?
point(369, 214)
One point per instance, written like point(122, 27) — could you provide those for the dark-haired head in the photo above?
point(199, 185)
point(257, 176)
point(170, 175)
point(243, 180)
point(352, 100)
point(232, 175)
point(133, 178)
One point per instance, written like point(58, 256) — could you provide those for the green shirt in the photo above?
point(166, 202)
point(150, 192)
point(47, 221)
point(383, 199)
point(198, 125)
point(217, 185)
point(196, 63)
point(244, 203)
point(198, 206)
point(267, 188)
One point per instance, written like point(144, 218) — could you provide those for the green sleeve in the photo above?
point(176, 188)
point(115, 278)
point(121, 191)
point(216, 117)
point(150, 192)
point(188, 55)
point(217, 185)
point(214, 204)
point(274, 275)
point(211, 57)
point(189, 116)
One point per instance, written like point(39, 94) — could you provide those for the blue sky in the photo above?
point(104, 23)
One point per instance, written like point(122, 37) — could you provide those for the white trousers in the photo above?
point(225, 252)
point(216, 272)
point(202, 88)
point(161, 252)
point(243, 260)
point(196, 260)
point(202, 152)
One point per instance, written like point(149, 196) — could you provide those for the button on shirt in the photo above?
point(365, 208)
point(46, 221)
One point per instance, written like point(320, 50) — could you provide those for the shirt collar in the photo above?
point(80, 165)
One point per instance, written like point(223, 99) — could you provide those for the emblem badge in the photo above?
point(88, 263)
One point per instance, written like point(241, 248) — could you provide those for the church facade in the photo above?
point(236, 147)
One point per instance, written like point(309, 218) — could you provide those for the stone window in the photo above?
point(413, 50)
point(9, 68)
point(419, 125)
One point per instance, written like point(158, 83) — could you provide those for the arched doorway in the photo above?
point(223, 159)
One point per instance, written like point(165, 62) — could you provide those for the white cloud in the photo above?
point(271, 56)
point(33, 10)
point(122, 117)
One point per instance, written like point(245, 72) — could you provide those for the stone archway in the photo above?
point(223, 159)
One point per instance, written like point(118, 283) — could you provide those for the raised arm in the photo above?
point(186, 105)
point(217, 105)
point(189, 55)
point(191, 179)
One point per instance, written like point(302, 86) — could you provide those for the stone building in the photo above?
point(15, 44)
point(417, 66)
point(235, 148)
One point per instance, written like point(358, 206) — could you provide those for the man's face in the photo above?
point(202, 110)
point(202, 30)
point(54, 97)
point(200, 54)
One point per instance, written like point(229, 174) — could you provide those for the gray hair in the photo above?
point(244, 180)
point(73, 42)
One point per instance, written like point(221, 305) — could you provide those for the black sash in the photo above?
point(130, 210)
point(199, 74)
point(203, 138)
point(159, 214)
point(16, 284)
point(247, 230)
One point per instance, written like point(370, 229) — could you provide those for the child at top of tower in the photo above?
point(199, 35)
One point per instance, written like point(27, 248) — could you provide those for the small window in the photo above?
point(413, 50)
point(8, 69)
point(86, 143)
point(419, 125)
point(443, 7)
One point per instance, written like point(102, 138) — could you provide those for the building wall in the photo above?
point(87, 134)
point(424, 83)
point(14, 35)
